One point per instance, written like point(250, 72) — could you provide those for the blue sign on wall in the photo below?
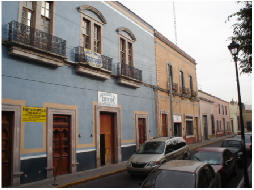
point(93, 58)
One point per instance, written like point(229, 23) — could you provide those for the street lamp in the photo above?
point(234, 49)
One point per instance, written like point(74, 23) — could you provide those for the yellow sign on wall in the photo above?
point(34, 114)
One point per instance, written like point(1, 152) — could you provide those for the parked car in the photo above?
point(183, 174)
point(235, 146)
point(248, 142)
point(221, 159)
point(155, 152)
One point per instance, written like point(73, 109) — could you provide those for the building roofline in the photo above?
point(158, 34)
point(213, 96)
point(134, 14)
point(173, 46)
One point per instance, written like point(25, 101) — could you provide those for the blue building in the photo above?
point(77, 87)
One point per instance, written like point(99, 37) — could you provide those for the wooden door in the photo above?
point(205, 126)
point(61, 144)
point(142, 130)
point(7, 125)
point(164, 125)
point(107, 135)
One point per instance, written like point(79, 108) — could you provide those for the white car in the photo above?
point(155, 152)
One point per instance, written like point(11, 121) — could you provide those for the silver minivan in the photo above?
point(155, 152)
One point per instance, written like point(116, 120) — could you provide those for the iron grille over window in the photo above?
point(129, 71)
point(81, 57)
point(23, 34)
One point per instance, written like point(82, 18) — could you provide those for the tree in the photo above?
point(242, 34)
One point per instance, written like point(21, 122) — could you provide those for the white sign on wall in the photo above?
point(177, 118)
point(107, 99)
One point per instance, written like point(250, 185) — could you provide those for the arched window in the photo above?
point(126, 38)
point(91, 28)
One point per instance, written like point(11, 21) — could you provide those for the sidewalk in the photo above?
point(88, 175)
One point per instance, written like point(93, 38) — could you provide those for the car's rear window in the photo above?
point(170, 179)
point(154, 147)
point(231, 143)
point(209, 157)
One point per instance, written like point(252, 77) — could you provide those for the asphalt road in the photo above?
point(124, 180)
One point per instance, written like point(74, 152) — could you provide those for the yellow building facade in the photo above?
point(177, 106)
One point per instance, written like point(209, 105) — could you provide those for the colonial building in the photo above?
point(177, 107)
point(77, 87)
point(234, 116)
point(214, 115)
point(207, 127)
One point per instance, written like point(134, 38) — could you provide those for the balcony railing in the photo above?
point(27, 35)
point(81, 57)
point(129, 71)
point(193, 93)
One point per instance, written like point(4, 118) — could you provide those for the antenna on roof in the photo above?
point(174, 21)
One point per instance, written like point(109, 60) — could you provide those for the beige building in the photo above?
point(177, 70)
point(247, 117)
point(234, 116)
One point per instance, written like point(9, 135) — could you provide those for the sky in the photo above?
point(203, 32)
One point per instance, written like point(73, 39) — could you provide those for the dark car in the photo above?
point(248, 142)
point(183, 174)
point(221, 159)
point(235, 146)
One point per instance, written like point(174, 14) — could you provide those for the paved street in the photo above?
point(123, 180)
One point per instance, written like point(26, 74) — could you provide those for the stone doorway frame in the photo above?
point(15, 171)
point(50, 112)
point(116, 111)
point(143, 116)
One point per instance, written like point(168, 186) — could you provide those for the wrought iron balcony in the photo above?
point(193, 93)
point(26, 35)
point(175, 87)
point(81, 57)
point(129, 72)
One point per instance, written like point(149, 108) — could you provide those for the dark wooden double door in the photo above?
point(61, 144)
point(7, 139)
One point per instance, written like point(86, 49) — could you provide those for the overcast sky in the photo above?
point(203, 33)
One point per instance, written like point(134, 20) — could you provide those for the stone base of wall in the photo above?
point(34, 170)
point(127, 152)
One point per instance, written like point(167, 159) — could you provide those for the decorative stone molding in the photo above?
point(123, 29)
point(94, 10)
point(37, 55)
point(129, 82)
point(93, 72)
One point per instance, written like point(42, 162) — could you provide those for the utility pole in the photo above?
point(170, 98)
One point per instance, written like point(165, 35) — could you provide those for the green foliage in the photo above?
point(242, 34)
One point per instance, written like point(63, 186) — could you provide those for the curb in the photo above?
point(91, 178)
